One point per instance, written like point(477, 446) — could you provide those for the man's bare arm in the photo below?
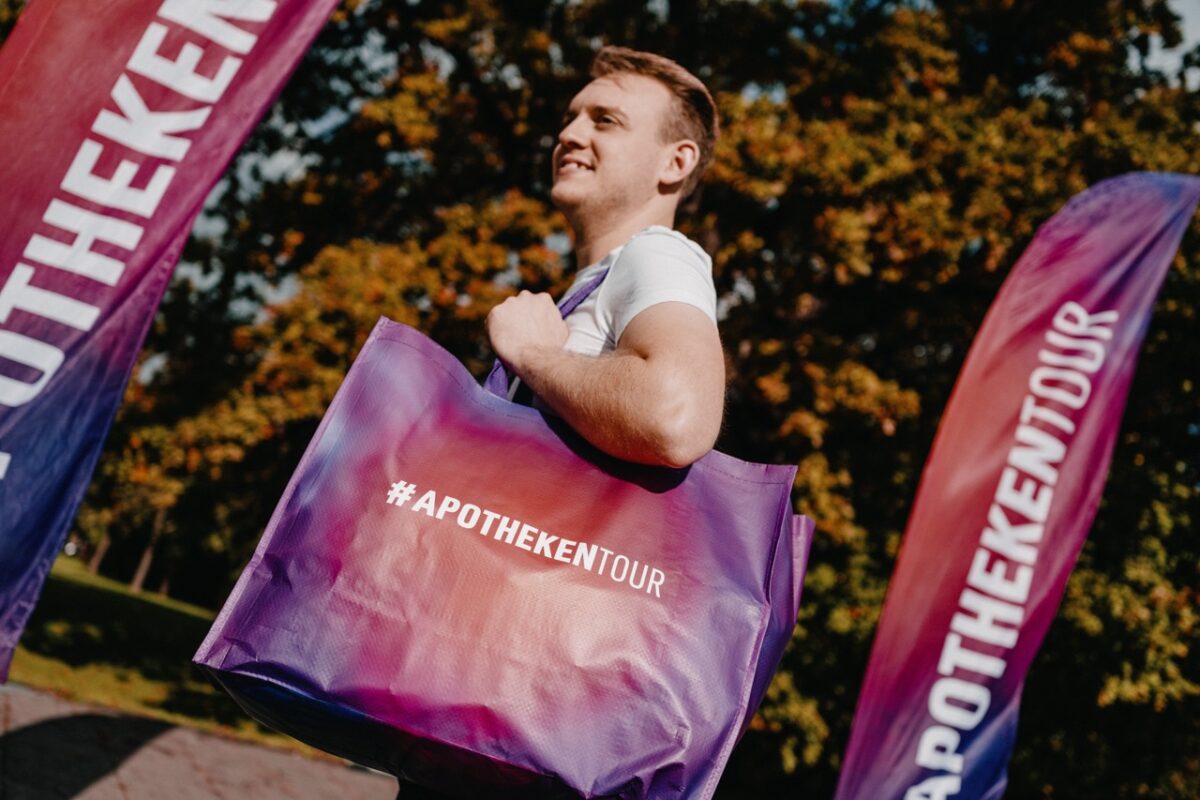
point(657, 399)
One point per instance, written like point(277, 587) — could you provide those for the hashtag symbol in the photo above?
point(400, 493)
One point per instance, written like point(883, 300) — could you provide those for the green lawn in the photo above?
point(90, 639)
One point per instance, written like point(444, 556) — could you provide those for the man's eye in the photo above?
point(606, 119)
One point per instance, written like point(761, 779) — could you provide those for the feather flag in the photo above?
point(116, 119)
point(1008, 494)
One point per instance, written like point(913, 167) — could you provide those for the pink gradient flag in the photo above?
point(116, 119)
point(1008, 495)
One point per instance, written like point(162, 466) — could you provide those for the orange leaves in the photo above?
point(788, 706)
point(916, 42)
point(348, 286)
point(411, 114)
point(505, 233)
point(746, 246)
point(291, 240)
point(805, 423)
point(508, 216)
point(1078, 47)
point(822, 496)
point(855, 387)
point(459, 255)
point(773, 386)
point(760, 147)
point(844, 233)
point(446, 29)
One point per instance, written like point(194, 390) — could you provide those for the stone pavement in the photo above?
point(51, 749)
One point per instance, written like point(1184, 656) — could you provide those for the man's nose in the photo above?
point(574, 132)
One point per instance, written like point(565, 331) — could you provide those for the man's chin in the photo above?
point(564, 199)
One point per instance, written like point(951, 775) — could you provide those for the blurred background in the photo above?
point(881, 168)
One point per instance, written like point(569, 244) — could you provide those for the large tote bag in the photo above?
point(460, 591)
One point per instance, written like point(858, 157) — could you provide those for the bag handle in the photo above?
point(498, 379)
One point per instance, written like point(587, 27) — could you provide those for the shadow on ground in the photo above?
point(61, 757)
point(122, 635)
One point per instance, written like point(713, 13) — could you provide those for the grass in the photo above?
point(92, 640)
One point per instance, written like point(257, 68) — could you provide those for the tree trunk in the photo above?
point(164, 587)
point(139, 577)
point(93, 565)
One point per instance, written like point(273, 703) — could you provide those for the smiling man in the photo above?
point(637, 367)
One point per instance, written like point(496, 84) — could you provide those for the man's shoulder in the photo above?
point(657, 265)
point(661, 240)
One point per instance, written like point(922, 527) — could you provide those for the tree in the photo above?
point(9, 11)
point(882, 167)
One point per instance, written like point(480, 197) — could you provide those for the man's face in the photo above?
point(610, 150)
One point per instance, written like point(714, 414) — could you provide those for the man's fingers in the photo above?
point(525, 317)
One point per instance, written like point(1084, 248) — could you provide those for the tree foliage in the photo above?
point(882, 166)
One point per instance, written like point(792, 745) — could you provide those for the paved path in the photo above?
point(51, 749)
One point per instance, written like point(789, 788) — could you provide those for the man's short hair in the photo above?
point(694, 114)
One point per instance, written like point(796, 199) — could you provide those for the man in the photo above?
point(637, 368)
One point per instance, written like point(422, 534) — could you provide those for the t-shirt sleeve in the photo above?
point(657, 267)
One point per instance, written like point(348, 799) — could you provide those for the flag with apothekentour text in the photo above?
point(116, 120)
point(1008, 494)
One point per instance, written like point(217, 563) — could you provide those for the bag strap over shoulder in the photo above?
point(498, 379)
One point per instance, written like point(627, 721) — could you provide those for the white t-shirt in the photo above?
point(657, 265)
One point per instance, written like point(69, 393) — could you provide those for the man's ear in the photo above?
point(683, 156)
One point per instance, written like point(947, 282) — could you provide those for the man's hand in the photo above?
point(524, 324)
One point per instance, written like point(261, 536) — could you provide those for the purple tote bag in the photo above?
point(461, 591)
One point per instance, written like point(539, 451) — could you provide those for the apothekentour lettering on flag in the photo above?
point(116, 120)
point(1008, 494)
point(992, 604)
point(594, 558)
point(150, 141)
